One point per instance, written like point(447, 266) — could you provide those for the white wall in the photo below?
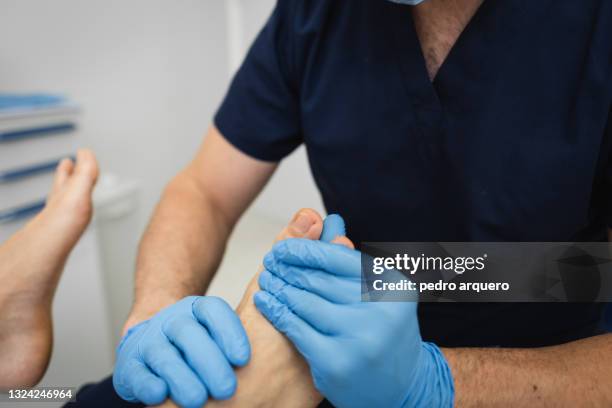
point(149, 74)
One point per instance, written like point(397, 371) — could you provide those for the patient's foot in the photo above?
point(276, 375)
point(31, 263)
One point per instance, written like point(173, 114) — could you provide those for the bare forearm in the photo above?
point(573, 374)
point(184, 242)
point(180, 250)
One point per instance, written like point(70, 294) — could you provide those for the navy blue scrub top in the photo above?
point(510, 142)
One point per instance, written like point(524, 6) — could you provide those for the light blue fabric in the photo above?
point(408, 2)
point(184, 352)
point(21, 101)
point(360, 354)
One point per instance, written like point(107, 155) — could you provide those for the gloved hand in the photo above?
point(185, 352)
point(360, 354)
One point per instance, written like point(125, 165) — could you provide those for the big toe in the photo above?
point(306, 223)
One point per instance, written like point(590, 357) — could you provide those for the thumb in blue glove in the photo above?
point(360, 354)
point(185, 352)
point(333, 228)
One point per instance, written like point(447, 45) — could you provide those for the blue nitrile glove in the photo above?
point(185, 352)
point(360, 354)
point(333, 227)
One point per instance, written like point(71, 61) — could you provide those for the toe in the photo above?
point(342, 240)
point(87, 165)
point(306, 223)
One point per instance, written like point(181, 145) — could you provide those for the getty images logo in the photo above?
point(414, 264)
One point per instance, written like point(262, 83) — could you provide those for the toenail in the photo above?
point(302, 223)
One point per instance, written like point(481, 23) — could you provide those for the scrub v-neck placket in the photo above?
point(425, 94)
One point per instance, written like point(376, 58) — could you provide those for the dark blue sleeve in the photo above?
point(607, 193)
point(260, 113)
